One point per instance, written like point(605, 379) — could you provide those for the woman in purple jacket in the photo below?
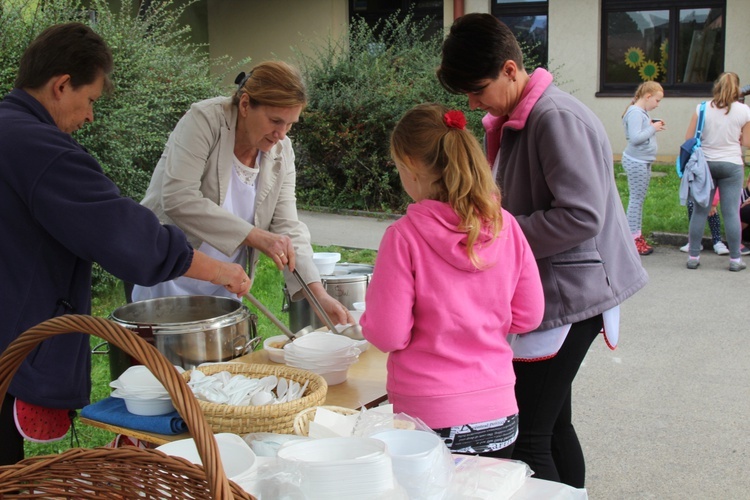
point(453, 278)
point(554, 165)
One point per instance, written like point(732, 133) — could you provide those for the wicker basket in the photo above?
point(303, 418)
point(277, 418)
point(121, 472)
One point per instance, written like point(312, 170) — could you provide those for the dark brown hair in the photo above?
point(65, 49)
point(476, 48)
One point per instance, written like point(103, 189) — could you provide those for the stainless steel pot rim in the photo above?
point(241, 313)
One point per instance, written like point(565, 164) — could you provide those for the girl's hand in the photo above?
point(658, 125)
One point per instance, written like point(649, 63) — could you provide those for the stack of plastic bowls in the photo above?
point(346, 467)
point(142, 392)
point(422, 463)
point(326, 354)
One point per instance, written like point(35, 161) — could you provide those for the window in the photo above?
point(528, 21)
point(678, 43)
point(373, 11)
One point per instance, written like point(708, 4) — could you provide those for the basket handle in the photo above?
point(182, 396)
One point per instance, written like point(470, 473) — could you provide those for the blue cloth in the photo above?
point(112, 411)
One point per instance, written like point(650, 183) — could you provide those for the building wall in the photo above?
point(268, 29)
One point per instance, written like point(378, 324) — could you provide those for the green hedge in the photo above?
point(359, 86)
point(158, 73)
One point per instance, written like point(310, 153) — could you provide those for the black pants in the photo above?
point(547, 440)
point(11, 449)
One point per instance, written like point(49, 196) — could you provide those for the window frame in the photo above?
point(533, 8)
point(674, 7)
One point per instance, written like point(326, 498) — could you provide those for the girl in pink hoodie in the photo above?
point(452, 279)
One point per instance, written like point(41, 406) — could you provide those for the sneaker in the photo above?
point(642, 247)
point(694, 263)
point(736, 266)
point(685, 248)
point(744, 250)
point(720, 248)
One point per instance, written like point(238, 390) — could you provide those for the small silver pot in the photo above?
point(192, 329)
point(348, 284)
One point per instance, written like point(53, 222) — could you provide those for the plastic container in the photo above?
point(149, 407)
point(275, 354)
point(326, 261)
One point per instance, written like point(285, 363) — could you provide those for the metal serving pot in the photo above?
point(348, 284)
point(192, 329)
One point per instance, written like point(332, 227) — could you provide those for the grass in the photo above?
point(662, 211)
point(267, 288)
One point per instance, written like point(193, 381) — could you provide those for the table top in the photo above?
point(364, 386)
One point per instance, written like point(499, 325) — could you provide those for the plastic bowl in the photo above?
point(336, 377)
point(275, 354)
point(149, 407)
point(237, 458)
point(326, 261)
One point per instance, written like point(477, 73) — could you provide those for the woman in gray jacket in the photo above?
point(553, 162)
point(227, 178)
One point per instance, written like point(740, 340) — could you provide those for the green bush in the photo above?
point(158, 73)
point(359, 86)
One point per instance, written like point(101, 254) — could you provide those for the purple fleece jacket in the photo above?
point(443, 322)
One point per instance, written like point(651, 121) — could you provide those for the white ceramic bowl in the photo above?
point(359, 306)
point(275, 354)
point(149, 407)
point(326, 261)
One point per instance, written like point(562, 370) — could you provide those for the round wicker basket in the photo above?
point(277, 418)
point(303, 418)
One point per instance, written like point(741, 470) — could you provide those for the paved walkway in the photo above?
point(667, 414)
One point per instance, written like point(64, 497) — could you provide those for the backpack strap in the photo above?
point(701, 119)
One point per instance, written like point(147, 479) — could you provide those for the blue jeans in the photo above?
point(728, 179)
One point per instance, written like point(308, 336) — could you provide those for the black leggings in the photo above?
point(547, 440)
point(11, 450)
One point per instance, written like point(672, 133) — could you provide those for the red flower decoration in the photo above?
point(455, 119)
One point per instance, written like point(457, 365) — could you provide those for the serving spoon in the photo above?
point(354, 331)
point(276, 321)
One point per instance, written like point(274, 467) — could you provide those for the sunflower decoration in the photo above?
point(649, 71)
point(634, 57)
point(663, 52)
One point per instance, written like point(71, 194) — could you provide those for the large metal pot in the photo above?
point(348, 284)
point(192, 329)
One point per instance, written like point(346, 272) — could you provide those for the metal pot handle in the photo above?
point(250, 346)
point(98, 348)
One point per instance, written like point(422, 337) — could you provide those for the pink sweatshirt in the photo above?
point(443, 322)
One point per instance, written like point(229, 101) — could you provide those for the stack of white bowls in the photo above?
point(326, 354)
point(346, 467)
point(422, 463)
point(142, 392)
